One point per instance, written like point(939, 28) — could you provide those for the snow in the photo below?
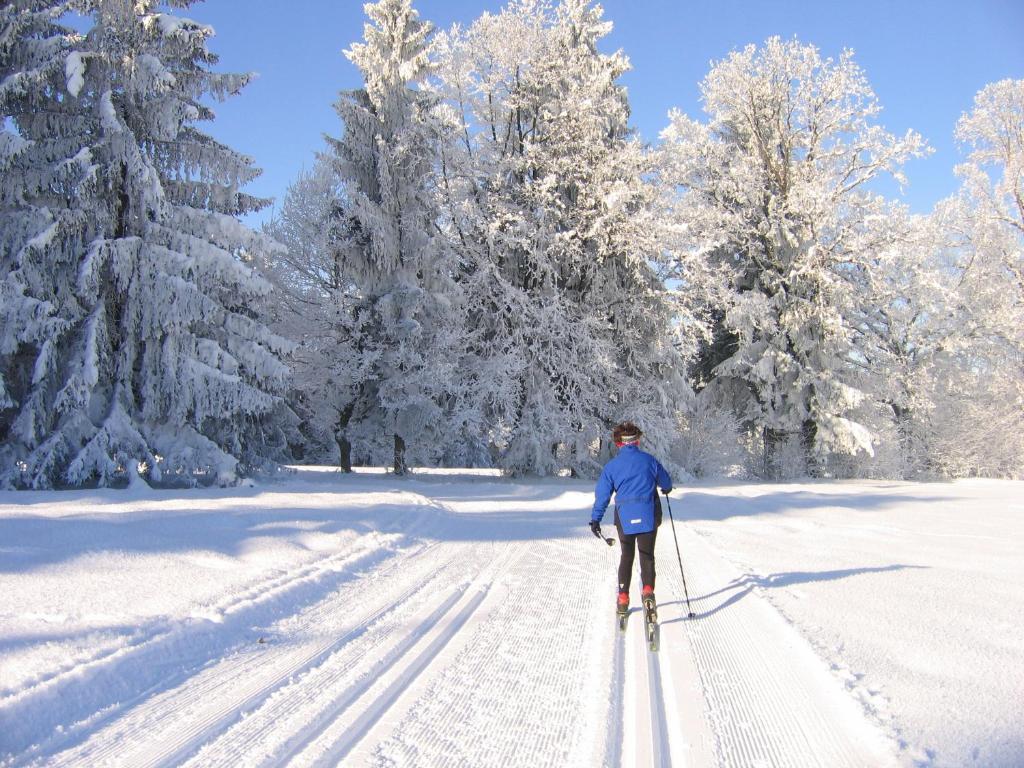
point(460, 618)
point(44, 238)
point(108, 114)
point(74, 71)
point(174, 25)
point(910, 591)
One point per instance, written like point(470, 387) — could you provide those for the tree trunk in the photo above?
point(400, 467)
point(808, 436)
point(904, 419)
point(341, 438)
point(344, 452)
point(771, 438)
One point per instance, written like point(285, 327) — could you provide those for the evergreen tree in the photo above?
point(396, 315)
point(150, 356)
point(46, 184)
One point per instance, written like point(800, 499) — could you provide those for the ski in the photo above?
point(651, 623)
point(621, 617)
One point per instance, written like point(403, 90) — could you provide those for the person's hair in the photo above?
point(626, 432)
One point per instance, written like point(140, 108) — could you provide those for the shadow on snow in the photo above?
point(695, 505)
point(214, 520)
point(739, 588)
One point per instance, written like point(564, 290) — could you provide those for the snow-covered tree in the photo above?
point(955, 371)
point(978, 425)
point(548, 206)
point(942, 321)
point(906, 319)
point(397, 317)
point(120, 237)
point(41, 235)
point(775, 194)
point(308, 291)
point(991, 205)
point(993, 134)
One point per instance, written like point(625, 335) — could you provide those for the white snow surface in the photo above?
point(462, 619)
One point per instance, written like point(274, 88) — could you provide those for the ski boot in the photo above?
point(622, 610)
point(650, 617)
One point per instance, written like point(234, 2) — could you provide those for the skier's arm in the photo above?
point(663, 480)
point(602, 495)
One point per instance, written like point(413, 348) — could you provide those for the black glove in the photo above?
point(595, 528)
point(666, 493)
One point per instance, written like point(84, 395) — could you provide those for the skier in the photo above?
point(632, 475)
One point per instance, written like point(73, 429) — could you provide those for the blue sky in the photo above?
point(925, 59)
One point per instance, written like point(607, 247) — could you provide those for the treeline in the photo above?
point(487, 266)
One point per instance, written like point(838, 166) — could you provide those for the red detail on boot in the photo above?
point(648, 590)
point(623, 598)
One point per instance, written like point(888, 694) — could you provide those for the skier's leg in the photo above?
point(645, 543)
point(627, 544)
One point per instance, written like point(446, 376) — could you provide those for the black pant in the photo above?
point(629, 543)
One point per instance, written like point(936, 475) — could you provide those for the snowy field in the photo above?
point(458, 619)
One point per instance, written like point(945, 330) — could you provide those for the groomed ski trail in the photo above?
point(488, 638)
point(767, 698)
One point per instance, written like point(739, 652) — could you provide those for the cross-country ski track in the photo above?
point(466, 629)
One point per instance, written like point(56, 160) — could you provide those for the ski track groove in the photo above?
point(389, 697)
point(224, 687)
point(636, 741)
point(617, 703)
point(141, 638)
point(320, 663)
point(661, 753)
point(313, 702)
point(317, 724)
point(139, 671)
point(649, 742)
point(381, 690)
point(508, 686)
point(683, 737)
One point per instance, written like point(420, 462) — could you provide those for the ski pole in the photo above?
point(678, 555)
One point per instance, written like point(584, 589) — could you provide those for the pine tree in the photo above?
point(153, 358)
point(397, 325)
point(46, 180)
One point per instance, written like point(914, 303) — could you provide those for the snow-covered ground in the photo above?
point(913, 593)
point(460, 619)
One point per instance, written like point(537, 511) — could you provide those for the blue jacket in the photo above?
point(632, 475)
